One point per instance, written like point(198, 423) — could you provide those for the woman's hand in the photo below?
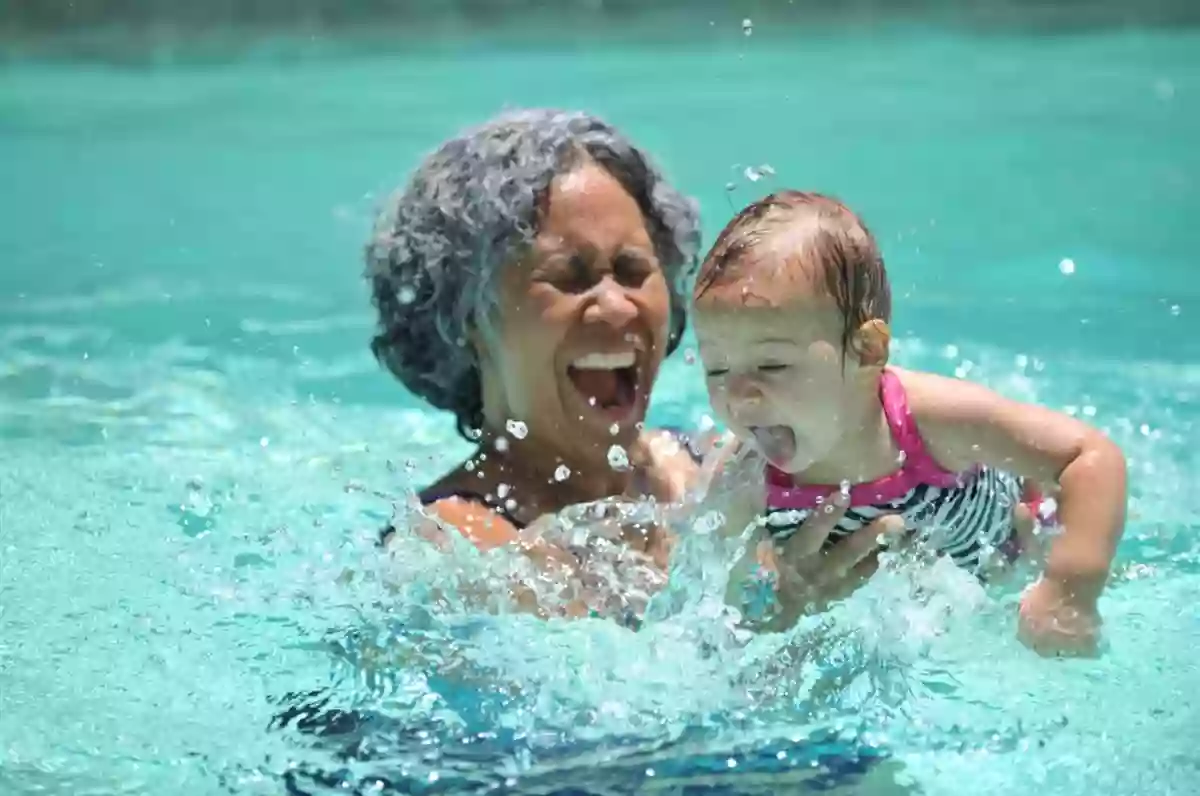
point(809, 577)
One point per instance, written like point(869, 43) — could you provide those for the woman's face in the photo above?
point(583, 323)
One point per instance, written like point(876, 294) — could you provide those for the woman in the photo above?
point(530, 279)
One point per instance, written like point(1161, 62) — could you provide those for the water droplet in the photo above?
point(1145, 429)
point(650, 772)
point(562, 473)
point(502, 490)
point(689, 357)
point(469, 466)
point(614, 429)
point(510, 505)
point(618, 459)
point(708, 522)
point(501, 444)
point(747, 27)
point(264, 442)
point(1066, 266)
point(517, 428)
point(731, 763)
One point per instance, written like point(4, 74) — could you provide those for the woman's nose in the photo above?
point(611, 305)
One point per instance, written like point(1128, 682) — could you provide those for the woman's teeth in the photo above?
point(605, 361)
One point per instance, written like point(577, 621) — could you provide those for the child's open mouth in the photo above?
point(777, 443)
point(607, 382)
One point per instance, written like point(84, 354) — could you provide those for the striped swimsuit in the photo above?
point(965, 516)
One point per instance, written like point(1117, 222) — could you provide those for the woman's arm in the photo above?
point(488, 530)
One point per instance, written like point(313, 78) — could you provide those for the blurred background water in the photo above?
point(197, 445)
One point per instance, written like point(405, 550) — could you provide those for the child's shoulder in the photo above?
point(934, 400)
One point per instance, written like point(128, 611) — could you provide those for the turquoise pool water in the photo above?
point(197, 445)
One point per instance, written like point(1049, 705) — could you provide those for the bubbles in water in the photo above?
point(502, 490)
point(517, 428)
point(409, 465)
point(747, 27)
point(406, 295)
point(1175, 309)
point(510, 505)
point(1066, 266)
point(562, 473)
point(618, 459)
point(950, 352)
point(614, 429)
point(264, 442)
point(1089, 411)
point(1022, 361)
point(501, 444)
point(689, 357)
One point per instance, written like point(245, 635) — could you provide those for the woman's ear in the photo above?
point(873, 342)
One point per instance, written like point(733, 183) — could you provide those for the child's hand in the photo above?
point(1053, 621)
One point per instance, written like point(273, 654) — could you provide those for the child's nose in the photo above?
point(744, 389)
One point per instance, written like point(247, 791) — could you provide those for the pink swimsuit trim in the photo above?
point(917, 467)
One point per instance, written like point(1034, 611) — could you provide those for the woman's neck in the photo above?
point(537, 476)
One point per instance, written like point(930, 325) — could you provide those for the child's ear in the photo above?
point(873, 342)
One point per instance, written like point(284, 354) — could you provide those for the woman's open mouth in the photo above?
point(608, 383)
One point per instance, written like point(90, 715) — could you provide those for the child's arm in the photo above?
point(964, 424)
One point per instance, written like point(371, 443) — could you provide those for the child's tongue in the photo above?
point(777, 443)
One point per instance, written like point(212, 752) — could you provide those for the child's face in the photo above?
point(772, 354)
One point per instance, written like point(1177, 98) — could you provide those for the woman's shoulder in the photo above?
point(449, 504)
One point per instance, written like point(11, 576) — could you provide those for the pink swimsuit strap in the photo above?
point(917, 467)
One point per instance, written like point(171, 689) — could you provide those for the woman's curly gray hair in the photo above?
point(471, 209)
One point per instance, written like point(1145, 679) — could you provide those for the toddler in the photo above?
point(792, 307)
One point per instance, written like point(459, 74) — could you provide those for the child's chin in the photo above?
point(797, 464)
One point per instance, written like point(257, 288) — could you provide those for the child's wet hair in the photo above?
point(833, 238)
